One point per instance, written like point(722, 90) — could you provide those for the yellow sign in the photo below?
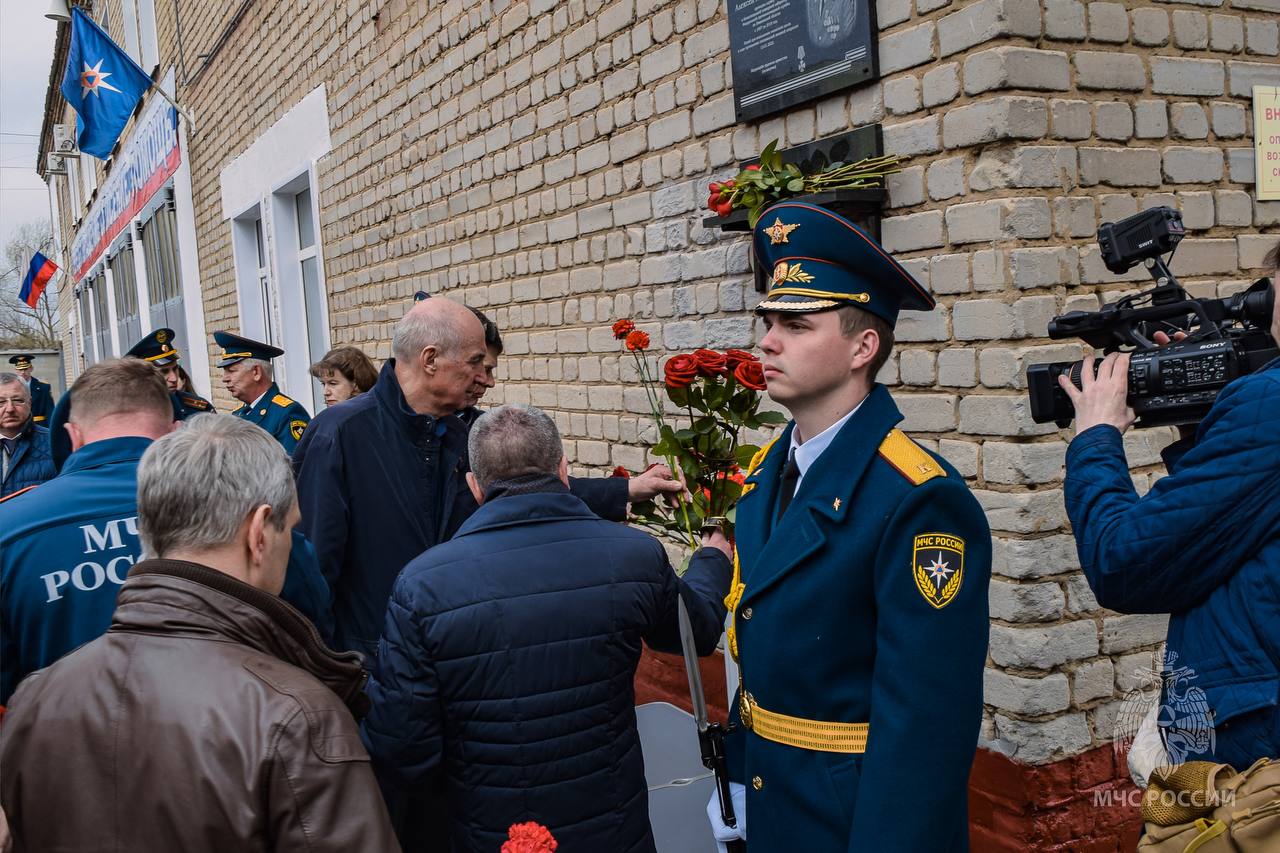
point(1266, 141)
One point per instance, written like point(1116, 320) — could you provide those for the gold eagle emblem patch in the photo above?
point(296, 429)
point(937, 564)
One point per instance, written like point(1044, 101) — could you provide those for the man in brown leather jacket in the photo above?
point(210, 717)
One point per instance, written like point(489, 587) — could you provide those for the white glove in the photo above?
point(722, 833)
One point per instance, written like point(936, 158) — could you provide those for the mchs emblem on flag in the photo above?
point(938, 567)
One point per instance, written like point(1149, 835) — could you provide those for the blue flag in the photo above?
point(102, 84)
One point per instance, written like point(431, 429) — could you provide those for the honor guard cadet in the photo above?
point(247, 374)
point(41, 392)
point(859, 602)
point(158, 349)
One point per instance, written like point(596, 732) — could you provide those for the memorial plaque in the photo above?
point(786, 52)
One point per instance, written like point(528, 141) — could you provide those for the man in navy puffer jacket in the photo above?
point(1202, 545)
point(507, 661)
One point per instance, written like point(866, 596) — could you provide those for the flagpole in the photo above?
point(182, 112)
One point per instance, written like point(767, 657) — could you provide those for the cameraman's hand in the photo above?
point(1101, 400)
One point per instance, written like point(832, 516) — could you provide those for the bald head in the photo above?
point(439, 349)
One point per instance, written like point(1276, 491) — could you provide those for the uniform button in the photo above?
point(757, 782)
point(747, 612)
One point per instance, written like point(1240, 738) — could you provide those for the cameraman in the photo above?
point(1203, 544)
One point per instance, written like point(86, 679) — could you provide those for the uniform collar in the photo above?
point(271, 391)
point(108, 451)
point(808, 453)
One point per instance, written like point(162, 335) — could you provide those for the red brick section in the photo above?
point(662, 678)
point(1083, 804)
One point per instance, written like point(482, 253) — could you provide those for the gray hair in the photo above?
point(198, 484)
point(512, 441)
point(418, 330)
point(267, 370)
point(15, 379)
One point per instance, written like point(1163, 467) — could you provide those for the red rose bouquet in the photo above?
point(719, 393)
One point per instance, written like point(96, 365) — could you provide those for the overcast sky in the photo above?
point(26, 50)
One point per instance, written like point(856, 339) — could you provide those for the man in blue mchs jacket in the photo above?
point(1202, 545)
point(66, 547)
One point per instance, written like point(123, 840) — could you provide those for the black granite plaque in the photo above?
point(786, 52)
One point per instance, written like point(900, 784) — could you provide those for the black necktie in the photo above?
point(787, 487)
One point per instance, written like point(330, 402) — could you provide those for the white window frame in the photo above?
point(300, 350)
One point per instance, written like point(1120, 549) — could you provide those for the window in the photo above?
point(160, 257)
point(101, 316)
point(313, 296)
point(124, 279)
point(140, 32)
point(86, 328)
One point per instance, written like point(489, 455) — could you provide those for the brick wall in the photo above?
point(545, 161)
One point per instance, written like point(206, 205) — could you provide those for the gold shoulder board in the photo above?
point(758, 459)
point(281, 400)
point(909, 459)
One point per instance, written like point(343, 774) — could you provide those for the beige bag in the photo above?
point(1201, 807)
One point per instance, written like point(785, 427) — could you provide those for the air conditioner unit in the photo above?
point(55, 163)
point(64, 140)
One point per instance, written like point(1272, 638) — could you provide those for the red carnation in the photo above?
point(529, 838)
point(621, 472)
point(680, 371)
point(750, 374)
point(637, 340)
point(622, 328)
point(710, 362)
point(734, 357)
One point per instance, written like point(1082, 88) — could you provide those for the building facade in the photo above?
point(547, 162)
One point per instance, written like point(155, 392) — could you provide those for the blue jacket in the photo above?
point(66, 548)
point(1203, 545)
point(31, 463)
point(378, 484)
point(507, 665)
point(866, 602)
point(282, 416)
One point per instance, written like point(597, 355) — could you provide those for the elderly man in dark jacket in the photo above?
point(381, 478)
point(210, 717)
point(507, 660)
point(24, 444)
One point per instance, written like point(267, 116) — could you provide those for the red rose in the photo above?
point(637, 340)
point(713, 202)
point(529, 838)
point(724, 208)
point(734, 357)
point(680, 371)
point(710, 362)
point(750, 374)
point(622, 328)
point(621, 472)
point(754, 167)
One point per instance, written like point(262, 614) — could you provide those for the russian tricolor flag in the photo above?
point(38, 275)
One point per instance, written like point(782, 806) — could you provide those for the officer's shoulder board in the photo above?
point(909, 459)
point(282, 400)
point(758, 459)
point(15, 494)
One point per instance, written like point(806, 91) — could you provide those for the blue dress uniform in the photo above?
point(859, 613)
point(279, 415)
point(41, 392)
point(158, 349)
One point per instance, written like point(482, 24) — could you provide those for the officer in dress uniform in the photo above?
point(158, 349)
point(859, 603)
point(247, 374)
point(41, 392)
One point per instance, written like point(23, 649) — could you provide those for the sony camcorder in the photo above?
point(1173, 384)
